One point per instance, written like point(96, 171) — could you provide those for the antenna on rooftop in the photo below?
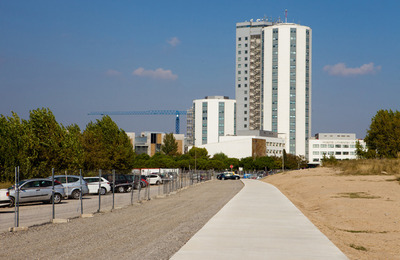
point(285, 15)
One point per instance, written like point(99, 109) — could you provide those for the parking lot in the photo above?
point(38, 213)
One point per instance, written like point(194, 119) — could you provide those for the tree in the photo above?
point(170, 146)
point(13, 141)
point(43, 143)
point(71, 156)
point(197, 153)
point(106, 146)
point(383, 135)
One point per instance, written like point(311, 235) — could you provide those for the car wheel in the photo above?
point(57, 198)
point(103, 191)
point(157, 183)
point(121, 189)
point(222, 178)
point(129, 189)
point(12, 202)
point(236, 178)
point(75, 194)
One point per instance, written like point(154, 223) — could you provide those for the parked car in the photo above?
point(93, 185)
point(143, 179)
point(72, 185)
point(135, 179)
point(122, 183)
point(154, 179)
point(37, 190)
point(4, 199)
point(228, 176)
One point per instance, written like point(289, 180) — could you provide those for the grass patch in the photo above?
point(368, 167)
point(356, 195)
point(361, 248)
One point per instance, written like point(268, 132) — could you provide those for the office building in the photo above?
point(213, 117)
point(273, 80)
point(342, 146)
point(151, 142)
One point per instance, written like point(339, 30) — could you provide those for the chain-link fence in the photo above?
point(85, 193)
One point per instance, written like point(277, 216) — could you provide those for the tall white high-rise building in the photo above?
point(273, 80)
point(213, 117)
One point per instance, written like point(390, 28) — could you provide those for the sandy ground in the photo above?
point(155, 229)
point(359, 214)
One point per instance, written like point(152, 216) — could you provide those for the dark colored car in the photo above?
point(122, 182)
point(228, 176)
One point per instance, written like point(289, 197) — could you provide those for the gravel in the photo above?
point(154, 229)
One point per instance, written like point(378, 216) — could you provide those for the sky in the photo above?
point(76, 57)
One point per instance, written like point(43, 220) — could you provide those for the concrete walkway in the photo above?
point(259, 223)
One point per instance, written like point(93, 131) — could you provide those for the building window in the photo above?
point(239, 72)
point(238, 85)
point(239, 52)
point(245, 45)
point(245, 92)
point(338, 153)
point(245, 85)
point(245, 119)
point(245, 72)
point(245, 105)
point(245, 112)
point(245, 65)
point(239, 39)
point(245, 99)
point(239, 78)
point(338, 146)
point(239, 65)
point(245, 38)
point(245, 126)
point(239, 45)
point(245, 58)
point(245, 52)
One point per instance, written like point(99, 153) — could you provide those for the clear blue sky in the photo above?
point(75, 57)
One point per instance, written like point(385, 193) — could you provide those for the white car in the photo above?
point(154, 179)
point(93, 185)
point(4, 199)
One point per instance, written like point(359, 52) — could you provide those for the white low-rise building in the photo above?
point(248, 144)
point(342, 146)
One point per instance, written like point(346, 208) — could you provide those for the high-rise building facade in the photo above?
point(213, 117)
point(273, 80)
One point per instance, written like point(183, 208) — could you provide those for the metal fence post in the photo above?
point(133, 187)
point(113, 188)
point(80, 193)
point(98, 211)
point(52, 193)
point(16, 199)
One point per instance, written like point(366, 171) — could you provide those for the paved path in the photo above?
point(259, 223)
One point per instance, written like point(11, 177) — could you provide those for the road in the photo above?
point(39, 213)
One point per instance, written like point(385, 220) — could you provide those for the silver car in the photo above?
point(37, 190)
point(72, 185)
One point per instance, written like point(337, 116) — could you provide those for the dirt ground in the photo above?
point(155, 229)
point(359, 214)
